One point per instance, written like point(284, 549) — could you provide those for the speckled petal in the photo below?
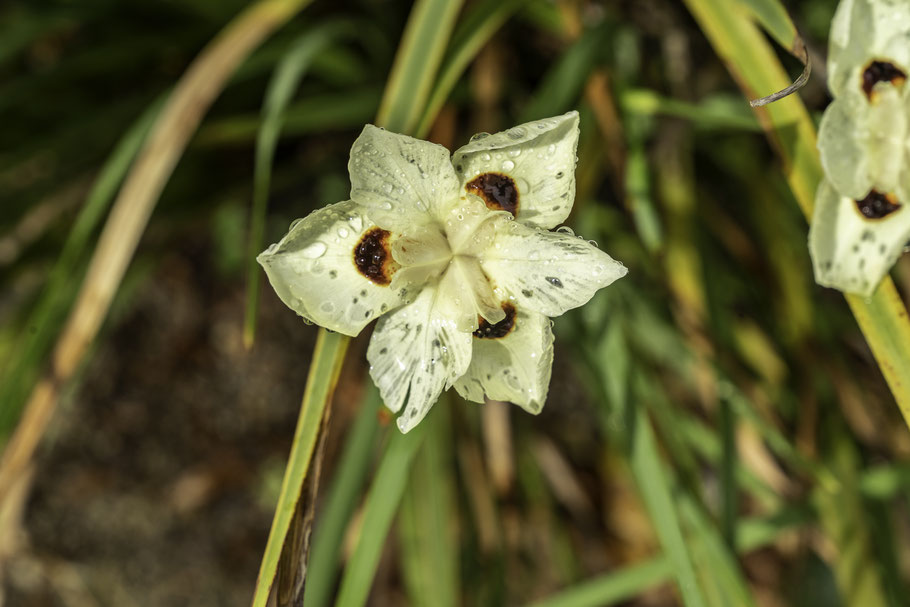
point(850, 251)
point(400, 180)
point(313, 269)
point(416, 352)
point(548, 272)
point(536, 159)
point(514, 368)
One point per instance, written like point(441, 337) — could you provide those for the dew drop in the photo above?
point(294, 224)
point(386, 206)
point(515, 152)
point(355, 222)
point(327, 306)
point(343, 232)
point(314, 251)
point(387, 188)
point(508, 165)
point(479, 136)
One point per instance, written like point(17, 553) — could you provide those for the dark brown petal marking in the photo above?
point(498, 191)
point(373, 258)
point(881, 71)
point(877, 205)
point(487, 331)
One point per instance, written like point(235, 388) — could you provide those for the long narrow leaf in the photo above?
point(45, 318)
point(883, 317)
point(323, 376)
point(658, 498)
point(284, 82)
point(428, 546)
point(382, 503)
point(474, 31)
point(613, 588)
point(343, 497)
point(419, 56)
point(178, 119)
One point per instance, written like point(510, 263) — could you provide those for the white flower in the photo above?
point(464, 291)
point(861, 222)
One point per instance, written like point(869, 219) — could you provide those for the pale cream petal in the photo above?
point(842, 144)
point(402, 181)
point(416, 352)
point(548, 272)
point(474, 293)
point(850, 251)
point(863, 144)
point(313, 269)
point(514, 368)
point(863, 31)
point(531, 165)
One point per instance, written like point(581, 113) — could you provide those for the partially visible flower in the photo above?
point(455, 256)
point(861, 223)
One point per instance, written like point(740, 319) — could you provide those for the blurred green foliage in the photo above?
point(717, 431)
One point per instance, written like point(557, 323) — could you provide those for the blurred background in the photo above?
point(769, 425)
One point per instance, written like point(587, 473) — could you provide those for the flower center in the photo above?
point(450, 250)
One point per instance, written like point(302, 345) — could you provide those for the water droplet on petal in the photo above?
point(508, 165)
point(479, 136)
point(314, 251)
point(343, 232)
point(294, 224)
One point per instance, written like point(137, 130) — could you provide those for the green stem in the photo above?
point(328, 357)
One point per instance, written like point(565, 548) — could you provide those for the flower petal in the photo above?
point(416, 352)
point(402, 181)
point(854, 244)
point(528, 170)
point(863, 144)
point(863, 31)
point(515, 367)
point(548, 272)
point(473, 295)
point(314, 269)
point(841, 144)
